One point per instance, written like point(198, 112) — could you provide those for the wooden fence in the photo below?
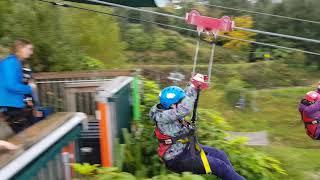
point(52, 88)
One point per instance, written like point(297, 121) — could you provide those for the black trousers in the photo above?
point(18, 119)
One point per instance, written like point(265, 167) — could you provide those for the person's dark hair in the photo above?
point(19, 43)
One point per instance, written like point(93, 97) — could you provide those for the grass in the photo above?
point(278, 115)
point(301, 164)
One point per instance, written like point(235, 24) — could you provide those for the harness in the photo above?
point(311, 124)
point(166, 141)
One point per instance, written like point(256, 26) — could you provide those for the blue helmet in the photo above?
point(171, 95)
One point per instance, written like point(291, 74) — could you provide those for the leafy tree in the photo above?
point(137, 40)
point(305, 9)
point(95, 34)
point(63, 38)
point(245, 22)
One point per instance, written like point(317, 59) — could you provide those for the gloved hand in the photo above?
point(199, 81)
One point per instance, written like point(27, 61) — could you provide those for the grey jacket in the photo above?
point(169, 121)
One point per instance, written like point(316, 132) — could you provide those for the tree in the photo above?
point(63, 38)
point(137, 39)
point(304, 9)
point(96, 35)
point(245, 22)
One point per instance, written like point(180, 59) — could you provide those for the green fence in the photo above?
point(46, 149)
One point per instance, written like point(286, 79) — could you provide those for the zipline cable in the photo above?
point(278, 35)
point(134, 8)
point(213, 46)
point(182, 18)
point(195, 59)
point(259, 13)
point(177, 27)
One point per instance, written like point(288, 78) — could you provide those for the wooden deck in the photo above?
point(32, 135)
point(5, 130)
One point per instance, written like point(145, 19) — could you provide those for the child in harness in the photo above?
point(31, 100)
point(174, 135)
point(309, 109)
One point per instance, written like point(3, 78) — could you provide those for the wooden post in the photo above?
point(105, 149)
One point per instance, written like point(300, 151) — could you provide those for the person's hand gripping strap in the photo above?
point(199, 81)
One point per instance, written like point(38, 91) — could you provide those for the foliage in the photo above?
point(85, 168)
point(245, 22)
point(233, 90)
point(99, 37)
point(304, 9)
point(297, 60)
point(247, 161)
point(271, 74)
point(90, 63)
point(94, 172)
point(64, 39)
point(137, 40)
point(113, 173)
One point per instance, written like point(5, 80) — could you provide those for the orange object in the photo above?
point(105, 144)
point(70, 148)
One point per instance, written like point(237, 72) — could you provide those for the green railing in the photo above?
point(40, 154)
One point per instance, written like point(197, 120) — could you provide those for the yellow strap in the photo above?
point(203, 156)
point(184, 141)
point(204, 159)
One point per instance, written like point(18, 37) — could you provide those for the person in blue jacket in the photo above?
point(12, 88)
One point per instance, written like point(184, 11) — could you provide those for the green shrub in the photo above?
point(247, 161)
point(115, 173)
point(270, 74)
point(136, 39)
point(159, 42)
point(233, 91)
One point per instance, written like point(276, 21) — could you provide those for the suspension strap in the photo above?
point(211, 62)
point(204, 159)
point(195, 108)
point(195, 59)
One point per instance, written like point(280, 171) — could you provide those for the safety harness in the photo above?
point(311, 124)
point(165, 141)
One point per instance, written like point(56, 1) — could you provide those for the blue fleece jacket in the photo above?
point(12, 89)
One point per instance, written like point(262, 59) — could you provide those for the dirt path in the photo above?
point(254, 138)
